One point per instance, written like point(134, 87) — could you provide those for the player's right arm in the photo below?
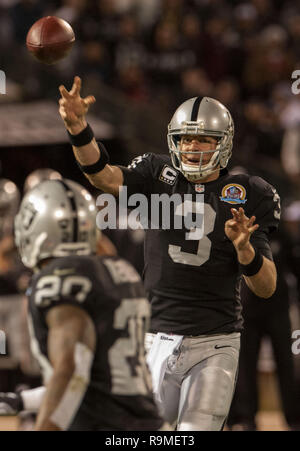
point(73, 109)
point(71, 345)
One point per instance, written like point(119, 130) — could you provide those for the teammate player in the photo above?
point(87, 317)
point(191, 276)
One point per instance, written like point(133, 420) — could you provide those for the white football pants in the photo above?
point(198, 382)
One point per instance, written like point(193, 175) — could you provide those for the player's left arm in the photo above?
point(71, 345)
point(239, 230)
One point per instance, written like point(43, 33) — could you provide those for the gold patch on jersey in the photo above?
point(233, 193)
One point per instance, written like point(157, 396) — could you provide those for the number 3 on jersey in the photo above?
point(199, 233)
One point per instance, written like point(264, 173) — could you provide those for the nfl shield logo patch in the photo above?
point(199, 188)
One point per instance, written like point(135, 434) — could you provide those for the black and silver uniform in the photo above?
point(192, 276)
point(109, 289)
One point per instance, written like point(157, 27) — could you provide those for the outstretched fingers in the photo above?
point(89, 100)
point(235, 214)
point(251, 221)
point(239, 217)
point(75, 90)
point(76, 86)
point(253, 228)
point(65, 94)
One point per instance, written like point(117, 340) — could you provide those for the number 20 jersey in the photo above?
point(119, 394)
point(192, 275)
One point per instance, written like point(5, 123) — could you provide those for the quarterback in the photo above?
point(192, 280)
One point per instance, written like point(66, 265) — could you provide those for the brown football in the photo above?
point(50, 39)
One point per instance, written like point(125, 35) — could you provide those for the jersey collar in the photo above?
point(223, 173)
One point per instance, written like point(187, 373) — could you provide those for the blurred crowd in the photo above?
point(162, 52)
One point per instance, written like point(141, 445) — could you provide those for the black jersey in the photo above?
point(192, 276)
point(109, 289)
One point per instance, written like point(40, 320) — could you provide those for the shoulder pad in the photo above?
point(145, 158)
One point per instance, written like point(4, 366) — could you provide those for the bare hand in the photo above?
point(239, 228)
point(72, 107)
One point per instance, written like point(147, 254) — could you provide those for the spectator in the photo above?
point(290, 156)
point(97, 60)
point(191, 29)
point(216, 51)
point(23, 15)
point(166, 60)
point(13, 281)
point(130, 57)
point(269, 62)
point(195, 82)
point(293, 27)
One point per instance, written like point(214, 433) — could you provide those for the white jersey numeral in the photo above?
point(198, 233)
point(276, 199)
point(129, 372)
point(136, 161)
point(121, 271)
point(50, 287)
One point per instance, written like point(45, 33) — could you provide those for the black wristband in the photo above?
point(99, 165)
point(254, 266)
point(83, 138)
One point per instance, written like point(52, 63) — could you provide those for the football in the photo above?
point(50, 39)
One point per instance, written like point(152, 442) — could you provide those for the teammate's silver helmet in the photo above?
point(38, 176)
point(56, 218)
point(9, 203)
point(201, 116)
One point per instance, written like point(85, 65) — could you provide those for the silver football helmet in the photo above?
point(56, 218)
point(38, 176)
point(9, 203)
point(201, 116)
